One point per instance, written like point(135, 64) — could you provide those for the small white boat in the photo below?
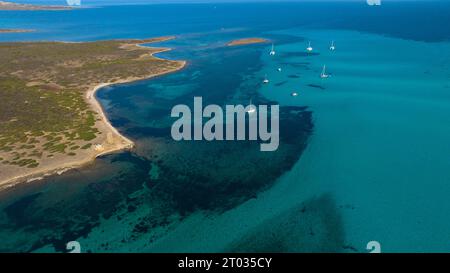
point(332, 46)
point(309, 48)
point(279, 69)
point(294, 94)
point(251, 108)
point(324, 74)
point(266, 80)
point(272, 52)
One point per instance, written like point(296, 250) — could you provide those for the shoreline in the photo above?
point(15, 30)
point(12, 6)
point(121, 142)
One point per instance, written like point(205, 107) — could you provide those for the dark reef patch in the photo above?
point(313, 226)
point(17, 211)
point(208, 176)
point(59, 217)
point(119, 122)
point(217, 176)
point(146, 192)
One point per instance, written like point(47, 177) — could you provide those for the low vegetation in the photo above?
point(15, 6)
point(43, 87)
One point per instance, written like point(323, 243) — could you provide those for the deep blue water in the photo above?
point(421, 20)
point(148, 199)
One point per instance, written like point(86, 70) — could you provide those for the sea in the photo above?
point(364, 154)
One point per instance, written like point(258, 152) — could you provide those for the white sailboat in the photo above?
point(324, 74)
point(332, 46)
point(309, 48)
point(251, 108)
point(272, 52)
point(294, 94)
point(279, 69)
point(266, 80)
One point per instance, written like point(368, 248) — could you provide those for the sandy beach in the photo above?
point(247, 41)
point(5, 30)
point(109, 141)
point(16, 6)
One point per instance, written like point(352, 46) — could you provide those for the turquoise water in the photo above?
point(363, 155)
point(379, 144)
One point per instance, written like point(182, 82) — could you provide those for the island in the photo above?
point(247, 41)
point(4, 30)
point(50, 118)
point(15, 6)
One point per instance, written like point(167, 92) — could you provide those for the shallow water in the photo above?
point(381, 124)
point(375, 166)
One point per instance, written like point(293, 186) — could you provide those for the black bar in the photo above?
point(150, 263)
